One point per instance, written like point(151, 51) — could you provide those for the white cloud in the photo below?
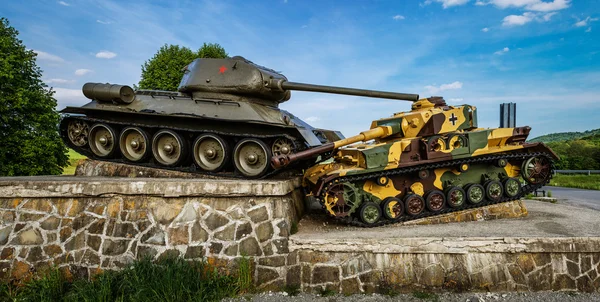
point(517, 20)
point(589, 29)
point(452, 86)
point(64, 3)
point(531, 5)
point(59, 81)
point(106, 54)
point(585, 21)
point(44, 56)
point(312, 119)
point(503, 51)
point(549, 6)
point(398, 17)
point(449, 3)
point(455, 100)
point(69, 97)
point(547, 16)
point(82, 72)
point(481, 3)
point(104, 22)
point(485, 29)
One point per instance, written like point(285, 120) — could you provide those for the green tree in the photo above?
point(165, 69)
point(29, 140)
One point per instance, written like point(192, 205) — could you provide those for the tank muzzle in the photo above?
point(109, 92)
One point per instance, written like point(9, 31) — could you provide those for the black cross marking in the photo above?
point(453, 119)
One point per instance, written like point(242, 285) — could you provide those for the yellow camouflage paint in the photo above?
point(417, 188)
point(395, 152)
point(512, 170)
point(438, 176)
point(457, 113)
point(390, 208)
point(330, 201)
point(381, 192)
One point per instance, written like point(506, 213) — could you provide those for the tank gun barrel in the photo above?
point(283, 160)
point(283, 85)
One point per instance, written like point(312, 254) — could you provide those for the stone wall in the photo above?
point(86, 225)
point(435, 264)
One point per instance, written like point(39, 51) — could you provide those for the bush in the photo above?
point(170, 279)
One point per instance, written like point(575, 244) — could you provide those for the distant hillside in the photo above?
point(564, 136)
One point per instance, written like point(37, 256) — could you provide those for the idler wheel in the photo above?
point(475, 193)
point(414, 204)
point(251, 157)
point(134, 144)
point(169, 148)
point(393, 208)
point(103, 140)
point(435, 200)
point(536, 170)
point(493, 190)
point(78, 132)
point(456, 196)
point(512, 187)
point(370, 213)
point(282, 146)
point(211, 152)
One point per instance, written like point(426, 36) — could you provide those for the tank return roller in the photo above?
point(109, 92)
point(283, 85)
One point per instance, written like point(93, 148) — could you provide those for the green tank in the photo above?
point(223, 120)
point(428, 161)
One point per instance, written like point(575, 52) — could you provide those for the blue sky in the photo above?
point(543, 55)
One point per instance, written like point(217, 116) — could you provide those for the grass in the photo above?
point(326, 292)
point(144, 280)
point(590, 182)
point(74, 158)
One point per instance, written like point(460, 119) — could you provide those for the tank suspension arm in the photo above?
point(283, 85)
point(280, 161)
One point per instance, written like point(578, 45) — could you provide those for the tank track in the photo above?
point(526, 189)
point(150, 162)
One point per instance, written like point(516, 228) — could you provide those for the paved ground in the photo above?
point(415, 297)
point(544, 220)
point(578, 197)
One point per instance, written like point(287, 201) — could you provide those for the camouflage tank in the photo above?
point(431, 160)
point(223, 120)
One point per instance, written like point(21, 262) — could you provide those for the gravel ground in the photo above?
point(442, 297)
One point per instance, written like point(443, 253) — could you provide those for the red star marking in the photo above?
point(222, 69)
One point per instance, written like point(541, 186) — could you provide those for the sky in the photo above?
point(542, 55)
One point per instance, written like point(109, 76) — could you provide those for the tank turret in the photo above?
point(238, 76)
point(428, 117)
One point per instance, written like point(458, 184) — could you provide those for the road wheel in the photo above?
point(512, 187)
point(414, 204)
point(393, 208)
point(456, 196)
point(370, 213)
point(493, 190)
point(435, 200)
point(211, 152)
point(103, 142)
point(169, 148)
point(134, 144)
point(475, 193)
point(251, 157)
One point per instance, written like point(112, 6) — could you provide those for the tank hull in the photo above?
point(223, 122)
point(405, 179)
